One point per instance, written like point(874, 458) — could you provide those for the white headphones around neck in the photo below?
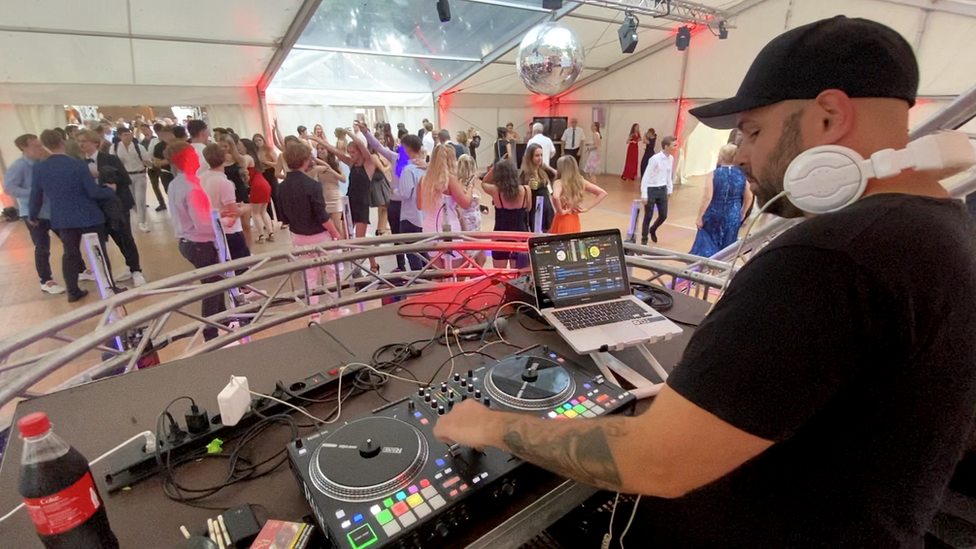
point(828, 178)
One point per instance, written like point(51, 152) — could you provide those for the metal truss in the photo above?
point(675, 10)
point(154, 307)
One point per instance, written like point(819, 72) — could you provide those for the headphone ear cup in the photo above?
point(825, 179)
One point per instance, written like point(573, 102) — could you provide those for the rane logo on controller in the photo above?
point(392, 450)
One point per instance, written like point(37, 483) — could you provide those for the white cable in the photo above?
point(150, 447)
point(305, 412)
point(608, 537)
point(738, 252)
point(494, 319)
point(632, 514)
point(364, 365)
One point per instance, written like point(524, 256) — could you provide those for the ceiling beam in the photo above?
point(511, 42)
point(618, 21)
point(357, 51)
point(513, 5)
point(128, 36)
point(294, 32)
point(660, 45)
point(944, 6)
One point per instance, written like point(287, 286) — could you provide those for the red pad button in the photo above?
point(581, 398)
point(400, 508)
point(333, 372)
point(602, 398)
point(424, 483)
point(451, 482)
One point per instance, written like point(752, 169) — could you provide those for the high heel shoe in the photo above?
point(271, 237)
point(260, 240)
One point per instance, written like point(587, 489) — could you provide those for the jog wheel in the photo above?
point(368, 459)
point(529, 383)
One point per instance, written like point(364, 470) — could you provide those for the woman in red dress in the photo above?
point(630, 168)
point(260, 194)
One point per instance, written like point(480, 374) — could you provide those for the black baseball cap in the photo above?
point(862, 58)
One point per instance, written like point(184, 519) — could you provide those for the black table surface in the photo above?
point(98, 416)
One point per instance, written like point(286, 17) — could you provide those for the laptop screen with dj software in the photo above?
point(573, 269)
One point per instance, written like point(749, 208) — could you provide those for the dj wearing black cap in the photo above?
point(827, 398)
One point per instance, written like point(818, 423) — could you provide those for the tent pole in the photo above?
point(263, 107)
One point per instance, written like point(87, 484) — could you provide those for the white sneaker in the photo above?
point(52, 288)
point(87, 275)
point(124, 275)
point(138, 279)
point(144, 227)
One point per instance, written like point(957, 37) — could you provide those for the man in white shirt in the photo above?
point(548, 148)
point(199, 136)
point(657, 184)
point(573, 139)
point(428, 140)
point(135, 158)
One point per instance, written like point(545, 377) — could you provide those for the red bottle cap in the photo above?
point(34, 424)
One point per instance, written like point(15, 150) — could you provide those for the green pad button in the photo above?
point(384, 517)
point(362, 537)
point(579, 408)
point(388, 502)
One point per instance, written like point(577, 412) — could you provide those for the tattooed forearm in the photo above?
point(582, 452)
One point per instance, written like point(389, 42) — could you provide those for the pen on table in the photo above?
point(186, 533)
point(223, 528)
point(210, 528)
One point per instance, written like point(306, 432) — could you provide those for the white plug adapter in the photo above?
point(234, 400)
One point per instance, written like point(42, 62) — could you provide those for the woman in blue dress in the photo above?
point(725, 205)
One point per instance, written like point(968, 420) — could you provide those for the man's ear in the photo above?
point(834, 116)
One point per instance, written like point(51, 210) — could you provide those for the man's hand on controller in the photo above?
point(470, 424)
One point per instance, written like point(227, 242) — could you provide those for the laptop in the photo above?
point(582, 289)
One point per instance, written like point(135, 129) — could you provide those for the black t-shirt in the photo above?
point(160, 152)
point(851, 343)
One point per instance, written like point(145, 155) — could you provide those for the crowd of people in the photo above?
point(76, 181)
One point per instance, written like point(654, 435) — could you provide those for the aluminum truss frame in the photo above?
point(153, 306)
point(675, 10)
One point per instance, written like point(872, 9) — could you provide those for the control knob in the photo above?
point(420, 392)
point(441, 411)
point(477, 393)
point(508, 489)
point(441, 530)
point(471, 387)
point(443, 386)
point(457, 376)
point(487, 402)
point(470, 374)
point(427, 396)
point(464, 383)
point(433, 404)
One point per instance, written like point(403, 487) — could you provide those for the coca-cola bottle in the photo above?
point(59, 491)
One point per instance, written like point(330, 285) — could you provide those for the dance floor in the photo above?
point(23, 304)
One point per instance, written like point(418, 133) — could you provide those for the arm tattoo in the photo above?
point(582, 455)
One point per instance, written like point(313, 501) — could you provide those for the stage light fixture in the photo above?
point(552, 4)
point(723, 32)
point(683, 39)
point(444, 10)
point(628, 34)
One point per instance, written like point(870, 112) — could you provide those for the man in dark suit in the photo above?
point(99, 162)
point(72, 195)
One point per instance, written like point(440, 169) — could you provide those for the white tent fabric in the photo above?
point(651, 89)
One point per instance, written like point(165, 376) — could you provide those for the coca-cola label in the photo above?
point(71, 507)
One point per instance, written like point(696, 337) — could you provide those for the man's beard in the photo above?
point(770, 181)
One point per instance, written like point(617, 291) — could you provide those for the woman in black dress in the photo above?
point(235, 168)
point(504, 148)
point(650, 140)
point(362, 168)
point(537, 175)
point(511, 202)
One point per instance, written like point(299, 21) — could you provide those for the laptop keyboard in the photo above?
point(600, 314)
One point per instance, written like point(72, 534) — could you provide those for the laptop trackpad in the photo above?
point(624, 333)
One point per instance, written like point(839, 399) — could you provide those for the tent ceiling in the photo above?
point(141, 42)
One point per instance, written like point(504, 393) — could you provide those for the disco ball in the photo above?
point(550, 58)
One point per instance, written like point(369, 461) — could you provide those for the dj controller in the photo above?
point(384, 481)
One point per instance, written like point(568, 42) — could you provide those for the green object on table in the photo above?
point(215, 447)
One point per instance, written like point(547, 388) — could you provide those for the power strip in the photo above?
point(131, 465)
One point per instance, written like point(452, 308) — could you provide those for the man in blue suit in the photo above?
point(72, 194)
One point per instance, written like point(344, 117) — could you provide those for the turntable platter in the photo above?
point(529, 382)
point(368, 458)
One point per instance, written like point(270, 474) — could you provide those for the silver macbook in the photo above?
point(582, 289)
